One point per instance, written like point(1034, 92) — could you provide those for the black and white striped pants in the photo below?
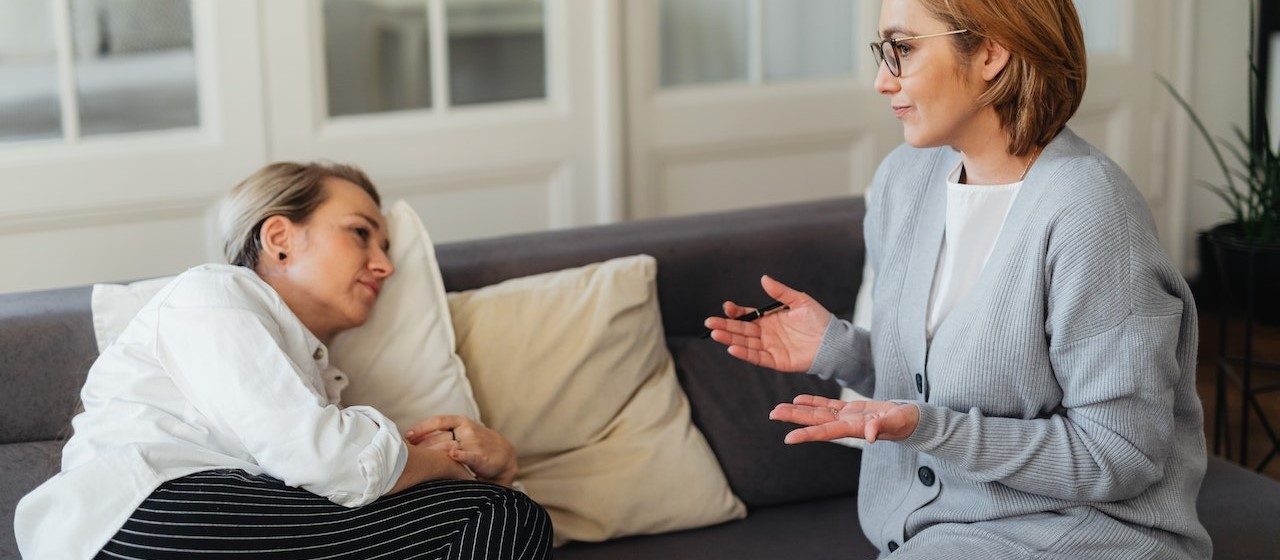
point(232, 514)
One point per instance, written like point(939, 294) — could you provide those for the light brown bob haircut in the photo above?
point(1042, 85)
point(292, 190)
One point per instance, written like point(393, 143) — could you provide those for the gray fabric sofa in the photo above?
point(802, 499)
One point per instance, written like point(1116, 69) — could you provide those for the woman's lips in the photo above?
point(373, 287)
point(900, 112)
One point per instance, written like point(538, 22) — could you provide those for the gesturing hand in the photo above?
point(481, 449)
point(786, 340)
point(829, 419)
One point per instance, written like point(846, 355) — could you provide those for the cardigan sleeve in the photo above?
point(845, 355)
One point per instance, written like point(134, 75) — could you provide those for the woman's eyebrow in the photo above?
point(372, 223)
point(888, 32)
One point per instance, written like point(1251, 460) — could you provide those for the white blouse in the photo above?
point(975, 216)
point(214, 372)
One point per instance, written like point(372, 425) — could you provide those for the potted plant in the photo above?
point(1247, 248)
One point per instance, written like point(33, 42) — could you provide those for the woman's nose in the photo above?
point(886, 82)
point(381, 264)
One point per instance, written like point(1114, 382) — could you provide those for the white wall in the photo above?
point(1219, 94)
point(22, 36)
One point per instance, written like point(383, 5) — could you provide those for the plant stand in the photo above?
point(1237, 259)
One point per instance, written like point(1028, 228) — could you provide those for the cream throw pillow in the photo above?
point(572, 367)
point(401, 361)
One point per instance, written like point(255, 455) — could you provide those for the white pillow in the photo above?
point(114, 305)
point(401, 361)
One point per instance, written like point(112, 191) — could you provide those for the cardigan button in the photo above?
point(926, 476)
point(919, 383)
point(319, 353)
point(893, 546)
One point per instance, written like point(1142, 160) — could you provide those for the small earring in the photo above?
point(283, 256)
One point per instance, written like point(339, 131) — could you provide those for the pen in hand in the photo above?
point(758, 313)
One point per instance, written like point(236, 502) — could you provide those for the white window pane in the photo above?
point(135, 66)
point(29, 107)
point(497, 50)
point(703, 41)
point(808, 38)
point(377, 56)
point(1101, 22)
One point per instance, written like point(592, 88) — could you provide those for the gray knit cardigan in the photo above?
point(1058, 408)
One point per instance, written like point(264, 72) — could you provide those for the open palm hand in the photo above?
point(827, 419)
point(787, 340)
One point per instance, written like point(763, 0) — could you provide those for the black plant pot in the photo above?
point(1249, 272)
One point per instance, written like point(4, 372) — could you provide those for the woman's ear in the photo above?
point(275, 235)
point(994, 57)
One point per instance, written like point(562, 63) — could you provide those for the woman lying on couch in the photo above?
point(212, 427)
point(1032, 352)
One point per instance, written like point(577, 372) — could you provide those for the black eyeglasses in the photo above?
point(887, 50)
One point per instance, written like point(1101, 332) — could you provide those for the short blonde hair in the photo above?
point(1042, 85)
point(292, 190)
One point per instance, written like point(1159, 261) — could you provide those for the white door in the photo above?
point(736, 103)
point(119, 126)
point(489, 116)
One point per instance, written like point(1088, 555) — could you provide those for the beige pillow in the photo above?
point(573, 368)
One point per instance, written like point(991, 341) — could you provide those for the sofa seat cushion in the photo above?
point(1238, 507)
point(23, 466)
point(814, 530)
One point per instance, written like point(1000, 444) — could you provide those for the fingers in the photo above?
point(887, 423)
point(728, 338)
point(807, 415)
point(815, 400)
point(430, 439)
point(437, 423)
point(475, 461)
point(821, 432)
point(730, 326)
point(781, 292)
point(469, 458)
point(872, 428)
point(732, 309)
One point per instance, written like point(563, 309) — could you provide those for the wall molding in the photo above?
point(154, 210)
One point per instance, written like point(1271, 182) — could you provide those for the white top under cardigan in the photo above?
point(975, 215)
point(214, 372)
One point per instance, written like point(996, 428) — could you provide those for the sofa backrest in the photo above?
point(47, 341)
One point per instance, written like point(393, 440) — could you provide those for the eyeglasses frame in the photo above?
point(878, 50)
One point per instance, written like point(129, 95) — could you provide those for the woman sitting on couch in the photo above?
point(1032, 351)
point(212, 427)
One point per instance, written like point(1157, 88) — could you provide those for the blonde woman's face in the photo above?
point(932, 98)
point(339, 260)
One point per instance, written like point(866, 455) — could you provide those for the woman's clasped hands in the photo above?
point(482, 450)
point(788, 341)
